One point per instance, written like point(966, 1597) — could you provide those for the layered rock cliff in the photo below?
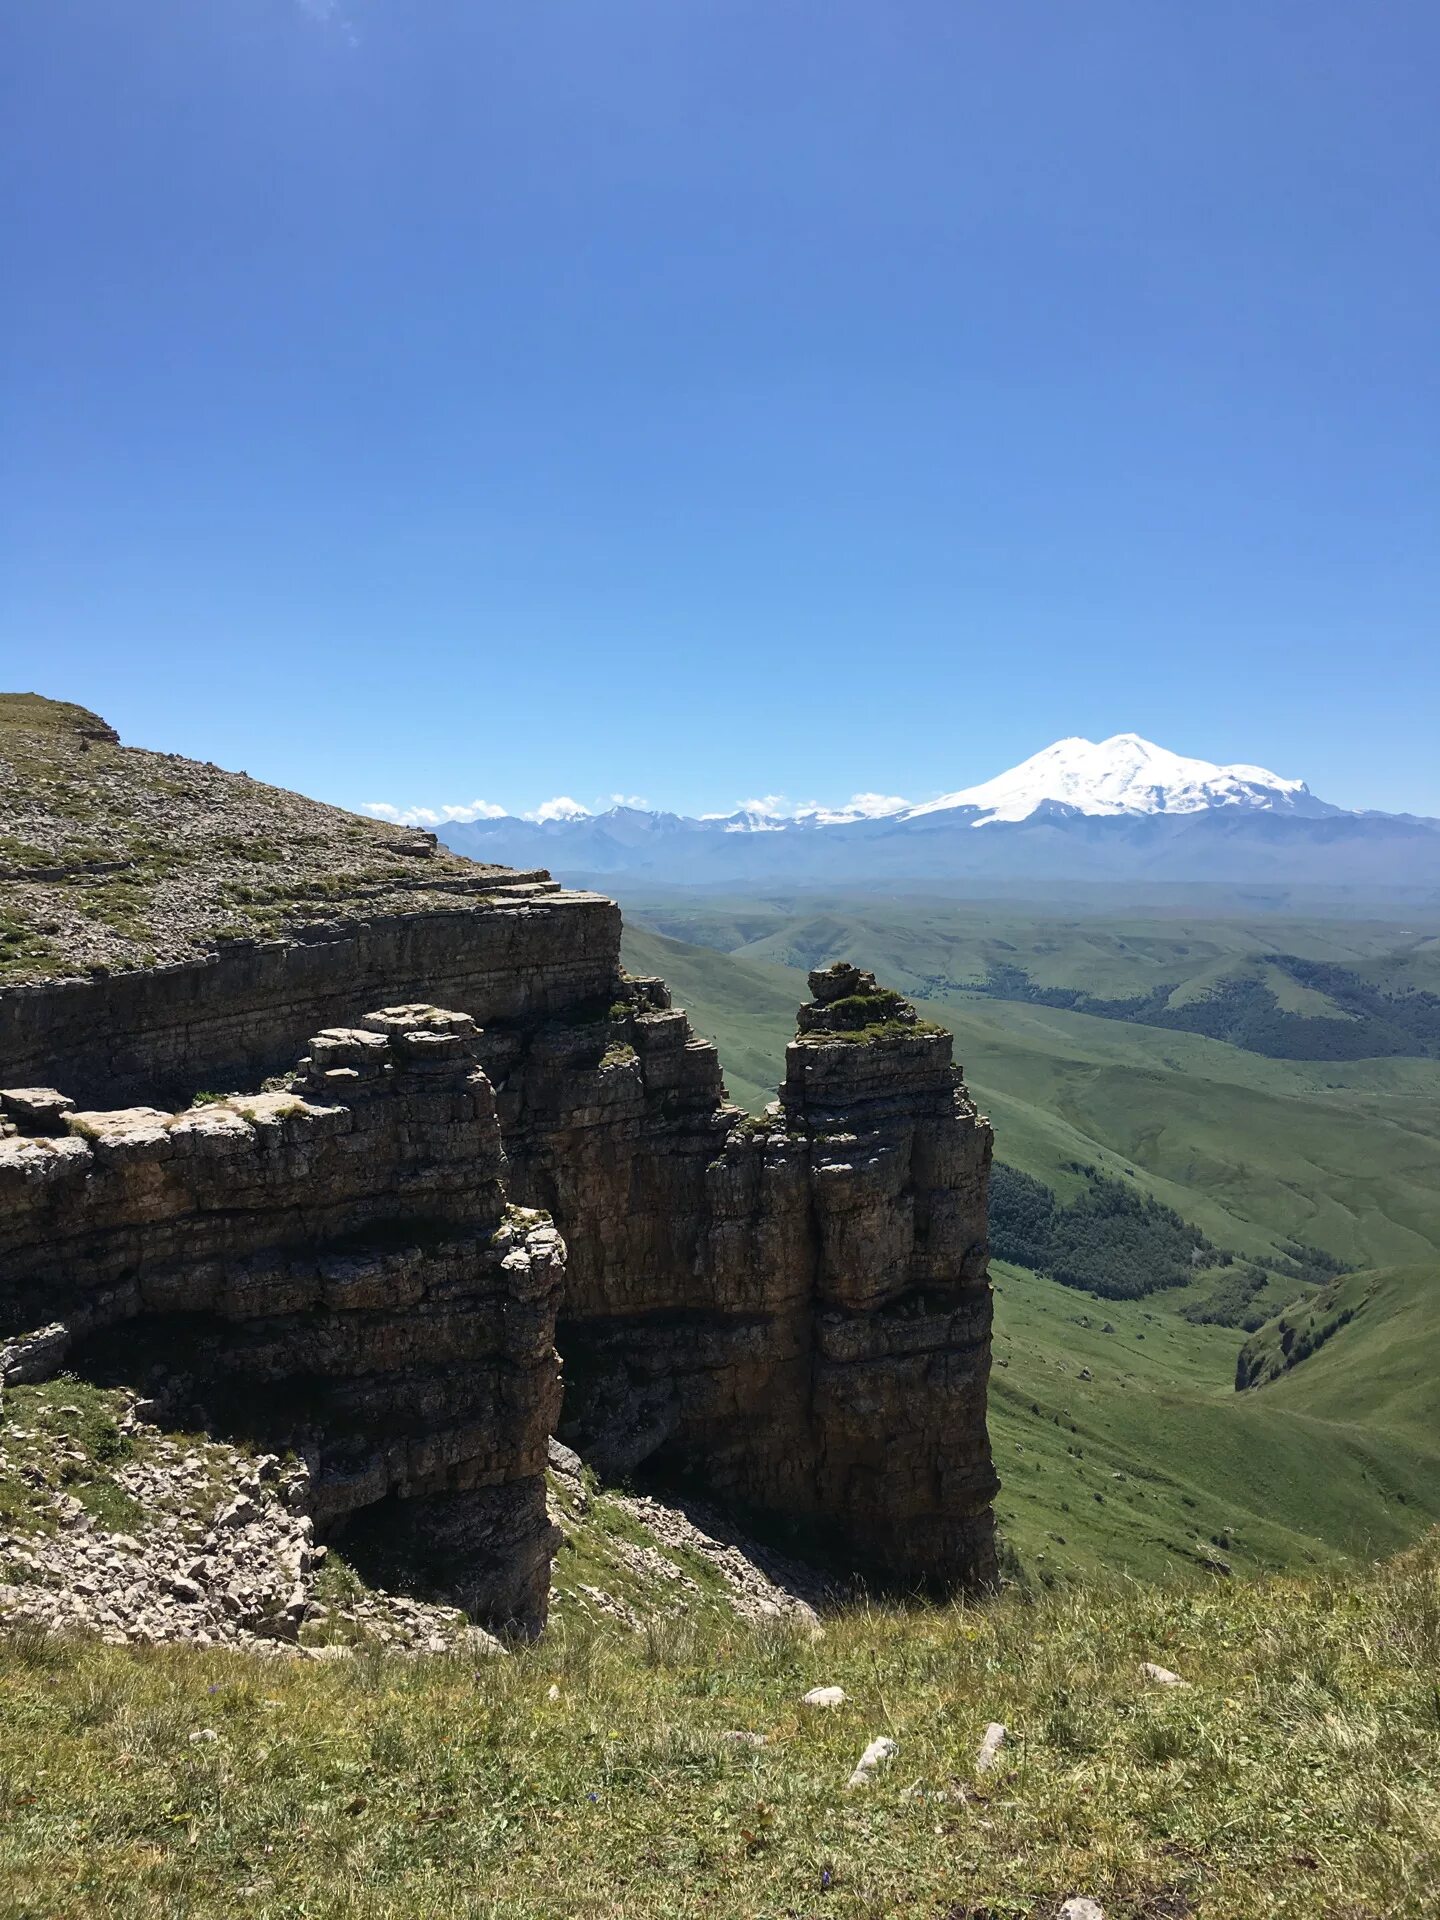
point(793, 1310)
point(790, 1311)
point(333, 1269)
point(167, 926)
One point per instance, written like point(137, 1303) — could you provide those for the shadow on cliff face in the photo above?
point(470, 1549)
point(177, 1364)
point(171, 1362)
point(624, 1433)
point(475, 1548)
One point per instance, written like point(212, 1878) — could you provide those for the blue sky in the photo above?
point(476, 400)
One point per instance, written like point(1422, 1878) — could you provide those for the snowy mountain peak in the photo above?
point(1122, 775)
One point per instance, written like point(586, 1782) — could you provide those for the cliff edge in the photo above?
point(374, 1258)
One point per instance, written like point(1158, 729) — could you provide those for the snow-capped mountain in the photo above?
point(1123, 774)
point(1121, 809)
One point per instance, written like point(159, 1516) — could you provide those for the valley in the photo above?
point(1119, 1435)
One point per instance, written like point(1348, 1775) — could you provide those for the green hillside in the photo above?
point(1362, 1352)
point(1341, 1155)
point(1313, 991)
point(1121, 1442)
point(923, 943)
point(1253, 1152)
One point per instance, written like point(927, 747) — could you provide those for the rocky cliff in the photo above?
point(791, 1312)
point(334, 1269)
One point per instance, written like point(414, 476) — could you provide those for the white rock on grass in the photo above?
point(739, 1737)
point(990, 1746)
point(1162, 1676)
point(824, 1697)
point(875, 1755)
point(1082, 1907)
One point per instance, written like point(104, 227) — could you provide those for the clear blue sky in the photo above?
point(423, 400)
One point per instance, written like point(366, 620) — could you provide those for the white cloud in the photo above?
point(384, 810)
point(860, 806)
point(330, 13)
point(562, 807)
point(776, 807)
point(875, 806)
point(767, 809)
point(474, 810)
point(430, 817)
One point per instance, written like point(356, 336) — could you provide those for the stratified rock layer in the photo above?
point(794, 1312)
point(334, 1269)
point(521, 950)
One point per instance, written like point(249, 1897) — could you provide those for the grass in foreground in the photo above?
point(1299, 1775)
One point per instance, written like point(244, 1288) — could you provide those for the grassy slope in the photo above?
point(1187, 1472)
point(1378, 1370)
point(1247, 1147)
point(1109, 955)
point(1298, 1775)
point(115, 857)
point(1250, 1149)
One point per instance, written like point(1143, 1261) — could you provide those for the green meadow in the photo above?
point(1120, 1436)
point(676, 1772)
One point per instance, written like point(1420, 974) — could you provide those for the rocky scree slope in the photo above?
point(113, 1526)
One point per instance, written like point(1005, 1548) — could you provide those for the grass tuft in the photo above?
point(1299, 1773)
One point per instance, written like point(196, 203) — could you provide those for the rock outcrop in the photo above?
point(518, 951)
point(790, 1313)
point(333, 1269)
point(793, 1312)
point(167, 926)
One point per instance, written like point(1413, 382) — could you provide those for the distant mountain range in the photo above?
point(1121, 809)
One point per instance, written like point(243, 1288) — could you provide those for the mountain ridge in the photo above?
point(1124, 774)
point(1117, 809)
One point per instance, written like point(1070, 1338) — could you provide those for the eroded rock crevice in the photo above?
point(793, 1312)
